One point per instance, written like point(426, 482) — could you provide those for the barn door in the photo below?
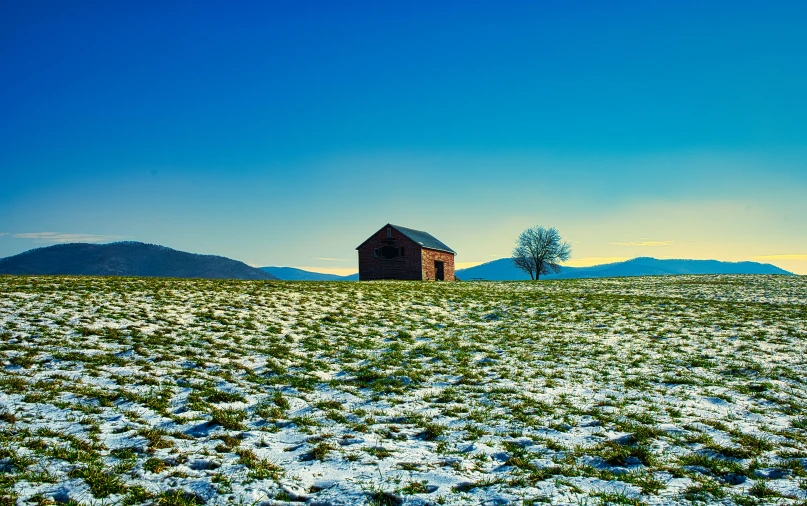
point(438, 271)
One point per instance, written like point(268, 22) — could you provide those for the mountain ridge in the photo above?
point(127, 258)
point(132, 258)
point(503, 269)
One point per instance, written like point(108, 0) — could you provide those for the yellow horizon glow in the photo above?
point(793, 262)
point(467, 265)
point(339, 271)
point(792, 256)
point(643, 243)
point(590, 261)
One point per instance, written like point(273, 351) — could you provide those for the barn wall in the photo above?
point(406, 267)
point(428, 258)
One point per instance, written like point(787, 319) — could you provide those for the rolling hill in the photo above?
point(127, 259)
point(503, 269)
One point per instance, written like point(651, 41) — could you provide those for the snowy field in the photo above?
point(667, 390)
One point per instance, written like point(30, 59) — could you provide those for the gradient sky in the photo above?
point(285, 133)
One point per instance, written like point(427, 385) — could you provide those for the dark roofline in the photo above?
point(434, 243)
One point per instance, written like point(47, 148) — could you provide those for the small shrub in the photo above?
point(228, 443)
point(258, 468)
point(102, 482)
point(415, 487)
point(378, 451)
point(761, 490)
point(752, 444)
point(328, 405)
point(321, 450)
point(716, 466)
point(704, 491)
point(154, 465)
point(336, 416)
point(279, 400)
point(219, 396)
point(136, 495)
point(155, 438)
point(178, 498)
point(432, 431)
point(24, 361)
point(228, 418)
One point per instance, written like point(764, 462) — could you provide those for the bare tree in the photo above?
point(540, 250)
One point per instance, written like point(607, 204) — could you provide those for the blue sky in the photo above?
point(284, 133)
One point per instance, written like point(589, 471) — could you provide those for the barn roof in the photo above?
point(424, 239)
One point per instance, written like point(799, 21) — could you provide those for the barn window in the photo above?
point(389, 232)
point(389, 252)
point(377, 252)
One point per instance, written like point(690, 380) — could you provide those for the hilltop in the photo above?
point(127, 259)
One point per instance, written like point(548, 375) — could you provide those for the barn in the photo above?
point(396, 252)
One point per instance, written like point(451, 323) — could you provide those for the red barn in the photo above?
point(402, 253)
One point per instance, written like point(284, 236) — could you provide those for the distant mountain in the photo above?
point(503, 269)
point(292, 274)
point(127, 259)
